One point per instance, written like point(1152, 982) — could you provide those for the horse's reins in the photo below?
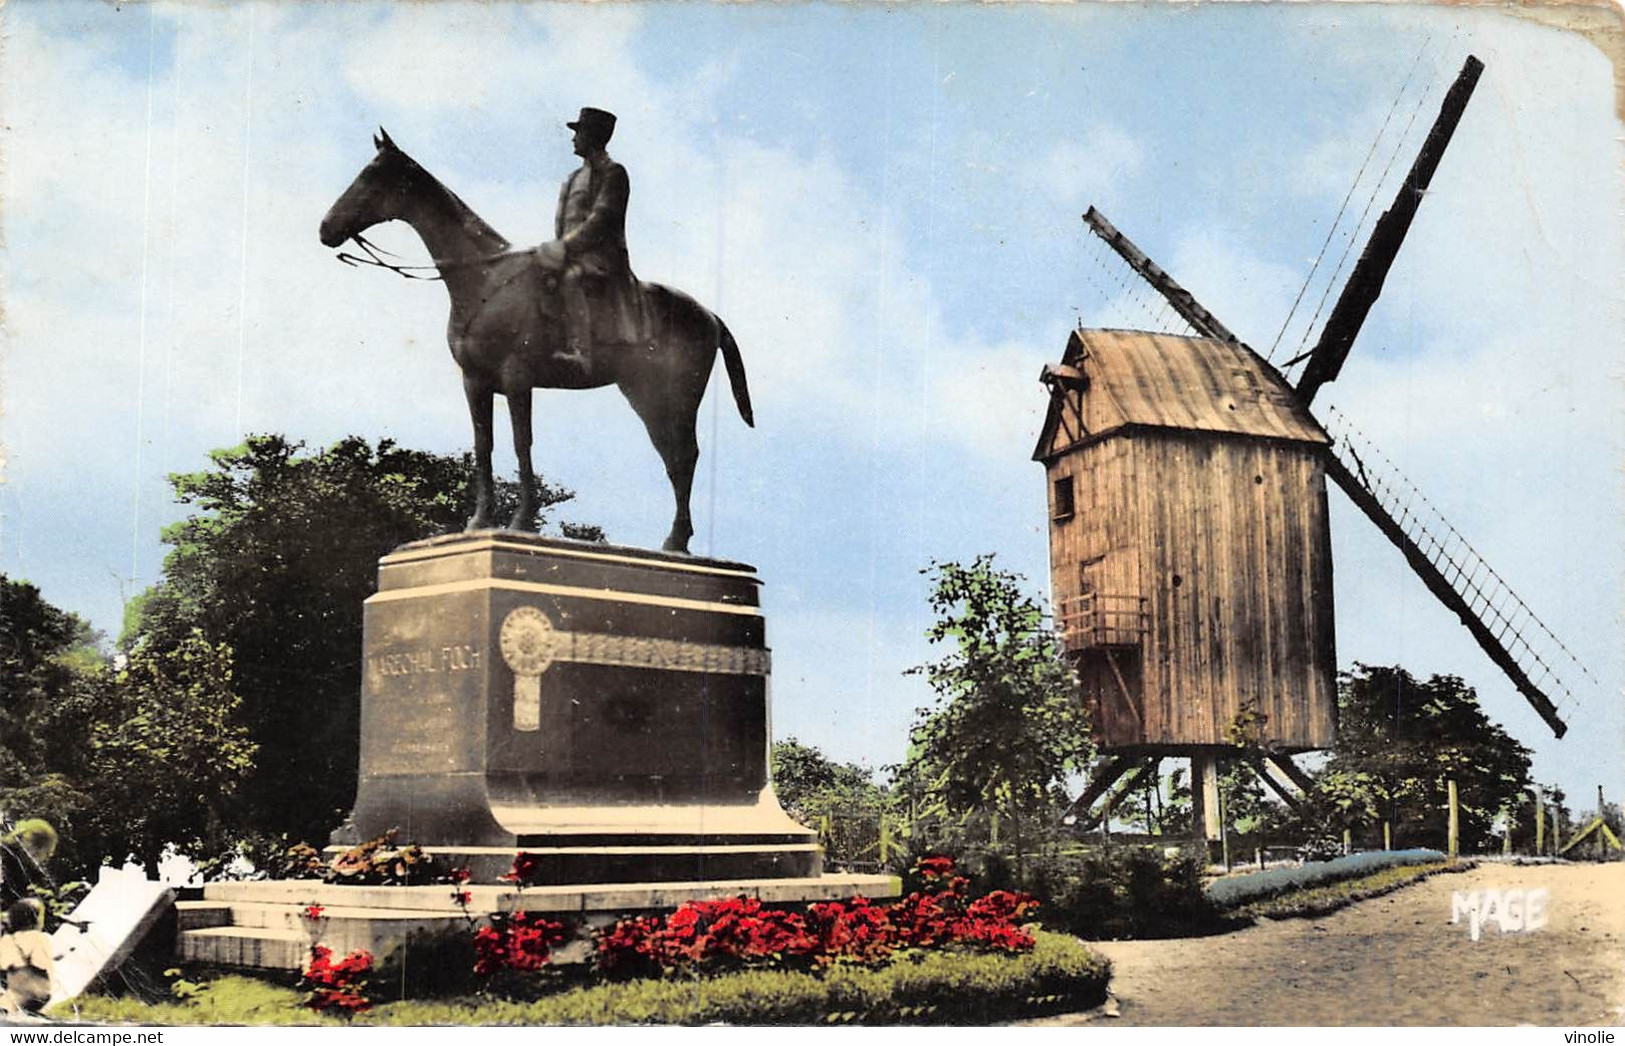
point(410, 272)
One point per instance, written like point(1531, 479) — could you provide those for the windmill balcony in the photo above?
point(1098, 620)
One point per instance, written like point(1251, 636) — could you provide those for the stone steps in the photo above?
point(280, 936)
point(265, 924)
point(258, 948)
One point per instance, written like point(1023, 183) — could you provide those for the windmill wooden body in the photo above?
point(1190, 554)
point(1189, 544)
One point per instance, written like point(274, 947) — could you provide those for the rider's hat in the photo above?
point(596, 122)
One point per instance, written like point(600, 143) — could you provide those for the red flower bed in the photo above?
point(337, 985)
point(521, 943)
point(704, 935)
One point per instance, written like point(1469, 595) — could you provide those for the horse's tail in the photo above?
point(736, 372)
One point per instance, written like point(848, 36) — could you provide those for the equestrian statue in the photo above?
point(568, 314)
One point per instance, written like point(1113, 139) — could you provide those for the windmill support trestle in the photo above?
point(1289, 791)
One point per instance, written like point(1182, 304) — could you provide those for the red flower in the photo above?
point(337, 985)
point(522, 942)
point(461, 898)
point(314, 911)
point(461, 875)
point(1003, 905)
point(932, 868)
point(524, 870)
point(734, 932)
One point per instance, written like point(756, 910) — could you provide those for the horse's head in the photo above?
point(378, 194)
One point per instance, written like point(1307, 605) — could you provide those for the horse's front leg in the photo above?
point(524, 516)
point(479, 395)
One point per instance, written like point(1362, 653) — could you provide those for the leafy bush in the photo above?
point(1133, 892)
point(921, 988)
point(1237, 890)
point(378, 862)
point(300, 861)
point(925, 988)
point(430, 964)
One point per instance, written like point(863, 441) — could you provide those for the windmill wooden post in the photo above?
point(1455, 820)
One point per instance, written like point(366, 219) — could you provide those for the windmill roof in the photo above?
point(1170, 381)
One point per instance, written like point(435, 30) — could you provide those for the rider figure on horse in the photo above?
point(598, 289)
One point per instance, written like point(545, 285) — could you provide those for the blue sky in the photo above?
point(883, 204)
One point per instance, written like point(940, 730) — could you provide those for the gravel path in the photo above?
point(1393, 960)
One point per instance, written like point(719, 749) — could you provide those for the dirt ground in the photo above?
point(1393, 960)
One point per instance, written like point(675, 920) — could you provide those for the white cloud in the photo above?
point(1078, 170)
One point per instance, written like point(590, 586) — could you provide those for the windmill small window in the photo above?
point(1064, 506)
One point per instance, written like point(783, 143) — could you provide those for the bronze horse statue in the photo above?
point(506, 331)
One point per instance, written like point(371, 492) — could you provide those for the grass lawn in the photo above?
point(914, 988)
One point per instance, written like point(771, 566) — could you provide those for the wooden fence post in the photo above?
point(1455, 822)
point(1387, 836)
point(1540, 823)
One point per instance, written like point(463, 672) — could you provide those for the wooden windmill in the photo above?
point(1190, 551)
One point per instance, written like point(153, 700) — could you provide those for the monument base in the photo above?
point(266, 925)
point(603, 709)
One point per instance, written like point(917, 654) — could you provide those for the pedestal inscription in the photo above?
point(608, 706)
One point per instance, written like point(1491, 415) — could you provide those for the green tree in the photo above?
point(48, 656)
point(43, 650)
point(165, 755)
point(1247, 807)
point(840, 800)
point(1008, 726)
point(1399, 741)
point(274, 563)
point(802, 773)
point(1158, 804)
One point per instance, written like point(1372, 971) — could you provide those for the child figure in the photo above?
point(25, 959)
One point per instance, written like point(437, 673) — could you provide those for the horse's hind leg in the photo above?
point(671, 429)
point(680, 456)
point(479, 411)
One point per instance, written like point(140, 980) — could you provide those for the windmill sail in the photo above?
point(1517, 641)
point(1371, 271)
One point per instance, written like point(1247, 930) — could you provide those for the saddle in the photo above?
point(615, 300)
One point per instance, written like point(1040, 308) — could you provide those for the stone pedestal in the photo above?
point(604, 709)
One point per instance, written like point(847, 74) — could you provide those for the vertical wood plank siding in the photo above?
point(1198, 467)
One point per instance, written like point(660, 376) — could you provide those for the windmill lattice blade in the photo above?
point(1170, 310)
point(1502, 623)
